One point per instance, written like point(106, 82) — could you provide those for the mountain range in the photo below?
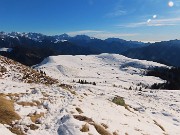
point(32, 48)
point(166, 52)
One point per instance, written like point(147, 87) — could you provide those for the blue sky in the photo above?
point(142, 20)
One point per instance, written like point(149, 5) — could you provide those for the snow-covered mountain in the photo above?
point(84, 99)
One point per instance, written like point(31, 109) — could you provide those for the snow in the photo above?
point(4, 130)
point(5, 49)
point(114, 75)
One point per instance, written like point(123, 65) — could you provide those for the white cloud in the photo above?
point(157, 22)
point(105, 35)
point(116, 13)
point(101, 34)
point(118, 10)
point(133, 25)
point(83, 32)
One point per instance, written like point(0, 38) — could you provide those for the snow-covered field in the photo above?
point(67, 109)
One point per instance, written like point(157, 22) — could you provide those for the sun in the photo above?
point(171, 4)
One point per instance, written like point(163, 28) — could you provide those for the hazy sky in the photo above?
point(144, 20)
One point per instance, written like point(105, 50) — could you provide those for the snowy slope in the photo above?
point(68, 105)
point(111, 68)
point(36, 98)
point(149, 112)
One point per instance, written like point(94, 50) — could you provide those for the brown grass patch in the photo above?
point(45, 94)
point(38, 103)
point(14, 94)
point(83, 118)
point(7, 112)
point(26, 103)
point(85, 128)
point(73, 92)
point(16, 131)
point(104, 125)
point(2, 95)
point(3, 69)
point(85, 94)
point(35, 117)
point(162, 128)
point(115, 133)
point(127, 108)
point(79, 110)
point(72, 112)
point(33, 127)
point(100, 129)
point(65, 86)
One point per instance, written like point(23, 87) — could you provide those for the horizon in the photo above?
point(89, 36)
point(145, 21)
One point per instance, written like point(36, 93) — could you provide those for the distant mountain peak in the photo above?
point(65, 35)
point(114, 40)
point(84, 37)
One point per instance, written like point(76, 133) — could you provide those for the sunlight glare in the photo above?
point(171, 4)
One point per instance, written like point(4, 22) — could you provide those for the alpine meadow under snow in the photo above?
point(106, 94)
point(90, 67)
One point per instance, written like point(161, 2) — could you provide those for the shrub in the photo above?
point(119, 101)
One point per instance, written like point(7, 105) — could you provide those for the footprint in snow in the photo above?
point(176, 120)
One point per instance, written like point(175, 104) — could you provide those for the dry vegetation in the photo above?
point(16, 130)
point(68, 88)
point(104, 125)
point(8, 115)
point(162, 128)
point(23, 73)
point(7, 112)
point(35, 117)
point(33, 103)
point(26, 103)
point(115, 133)
point(32, 126)
point(79, 110)
point(83, 118)
point(99, 128)
point(85, 128)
